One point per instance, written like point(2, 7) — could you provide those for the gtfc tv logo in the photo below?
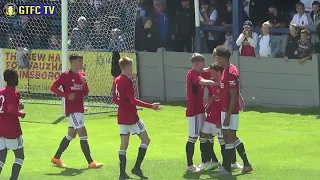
point(12, 9)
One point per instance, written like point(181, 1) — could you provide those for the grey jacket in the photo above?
point(274, 45)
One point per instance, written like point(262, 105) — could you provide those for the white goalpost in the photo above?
point(38, 48)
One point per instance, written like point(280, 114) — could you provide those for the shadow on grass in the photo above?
point(212, 175)
point(68, 172)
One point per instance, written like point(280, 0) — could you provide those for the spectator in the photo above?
point(315, 15)
point(276, 18)
point(247, 40)
point(317, 46)
point(292, 42)
point(116, 41)
point(185, 27)
point(209, 16)
point(226, 19)
point(300, 18)
point(54, 42)
point(98, 38)
point(267, 44)
point(305, 47)
point(145, 37)
point(163, 25)
point(143, 9)
point(308, 4)
point(229, 40)
point(79, 35)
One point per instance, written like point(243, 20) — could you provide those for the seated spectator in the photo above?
point(98, 38)
point(267, 44)
point(247, 40)
point(145, 37)
point(143, 8)
point(300, 18)
point(116, 41)
point(209, 16)
point(305, 47)
point(292, 42)
point(54, 42)
point(79, 35)
point(276, 18)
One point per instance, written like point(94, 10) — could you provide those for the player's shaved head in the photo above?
point(74, 57)
point(223, 51)
point(11, 77)
point(124, 62)
point(197, 58)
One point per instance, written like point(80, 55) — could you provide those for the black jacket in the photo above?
point(115, 67)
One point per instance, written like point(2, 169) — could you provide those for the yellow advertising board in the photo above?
point(45, 66)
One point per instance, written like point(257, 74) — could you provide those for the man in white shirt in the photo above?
point(300, 18)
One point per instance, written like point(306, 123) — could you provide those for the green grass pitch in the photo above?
point(281, 145)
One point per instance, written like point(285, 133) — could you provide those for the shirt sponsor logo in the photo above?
point(76, 87)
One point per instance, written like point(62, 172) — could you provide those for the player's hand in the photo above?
point(21, 106)
point(242, 104)
point(226, 121)
point(23, 115)
point(83, 79)
point(156, 106)
point(71, 96)
point(301, 61)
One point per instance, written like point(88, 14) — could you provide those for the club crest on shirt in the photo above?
point(76, 87)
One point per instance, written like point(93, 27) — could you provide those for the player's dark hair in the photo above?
point(215, 66)
point(74, 57)
point(223, 51)
point(196, 57)
point(125, 61)
point(9, 75)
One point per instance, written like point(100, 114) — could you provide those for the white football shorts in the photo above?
point(133, 129)
point(212, 129)
point(76, 120)
point(12, 144)
point(195, 125)
point(234, 121)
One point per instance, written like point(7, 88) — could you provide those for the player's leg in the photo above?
point(124, 137)
point(204, 147)
point(63, 146)
point(195, 125)
point(17, 146)
point(78, 121)
point(3, 152)
point(234, 124)
point(140, 130)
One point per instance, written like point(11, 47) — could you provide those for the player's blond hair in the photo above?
point(197, 57)
point(125, 61)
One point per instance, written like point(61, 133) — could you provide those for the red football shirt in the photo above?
point(123, 96)
point(9, 113)
point(194, 93)
point(214, 110)
point(229, 80)
point(71, 83)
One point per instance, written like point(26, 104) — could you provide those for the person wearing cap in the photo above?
point(247, 41)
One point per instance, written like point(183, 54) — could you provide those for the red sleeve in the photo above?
point(130, 93)
point(55, 87)
point(13, 106)
point(210, 91)
point(85, 89)
point(206, 74)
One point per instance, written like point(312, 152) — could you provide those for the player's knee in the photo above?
point(192, 139)
point(203, 140)
point(19, 154)
point(82, 132)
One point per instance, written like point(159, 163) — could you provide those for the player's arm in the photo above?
point(56, 85)
point(241, 102)
point(114, 94)
point(130, 93)
point(206, 82)
point(13, 107)
point(233, 94)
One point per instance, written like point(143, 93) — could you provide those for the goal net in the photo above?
point(96, 29)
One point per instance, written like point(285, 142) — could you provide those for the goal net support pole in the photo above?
point(64, 42)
